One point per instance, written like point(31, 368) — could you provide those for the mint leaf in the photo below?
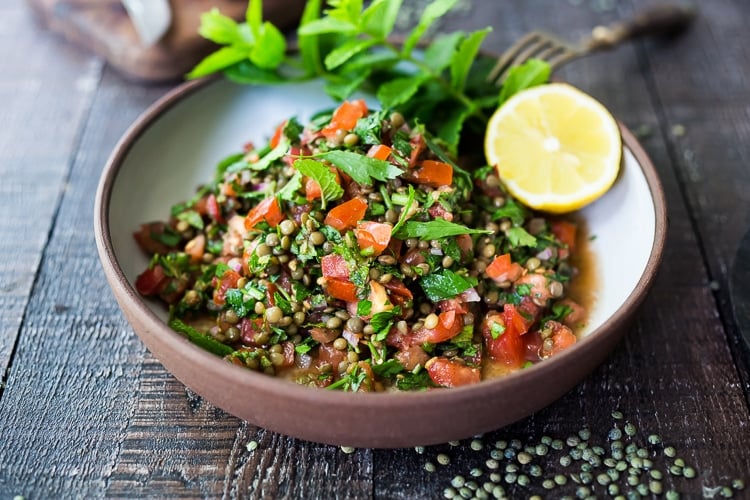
point(467, 51)
point(191, 217)
point(270, 47)
point(362, 169)
point(328, 25)
point(342, 88)
point(529, 74)
point(379, 18)
point(222, 58)
point(442, 51)
point(346, 51)
point(451, 125)
point(320, 173)
point(435, 230)
point(382, 323)
point(246, 73)
point(399, 90)
point(275, 154)
point(518, 237)
point(289, 191)
point(309, 45)
point(445, 285)
point(431, 13)
point(219, 28)
point(364, 307)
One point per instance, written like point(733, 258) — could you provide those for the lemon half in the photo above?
point(555, 147)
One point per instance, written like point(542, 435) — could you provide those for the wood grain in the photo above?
point(87, 412)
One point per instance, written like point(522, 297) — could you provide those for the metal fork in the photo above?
point(665, 20)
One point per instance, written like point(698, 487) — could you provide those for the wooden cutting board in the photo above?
point(103, 26)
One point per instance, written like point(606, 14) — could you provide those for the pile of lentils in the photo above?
point(624, 465)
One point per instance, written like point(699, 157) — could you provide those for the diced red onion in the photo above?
point(470, 295)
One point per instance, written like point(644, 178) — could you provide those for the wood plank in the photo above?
point(45, 93)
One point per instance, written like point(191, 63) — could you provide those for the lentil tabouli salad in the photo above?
point(355, 254)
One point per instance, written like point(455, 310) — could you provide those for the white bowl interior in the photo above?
point(179, 151)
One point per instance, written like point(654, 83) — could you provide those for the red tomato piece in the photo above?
point(346, 215)
point(434, 173)
point(453, 305)
point(417, 146)
point(267, 210)
point(562, 338)
point(565, 232)
point(379, 152)
point(228, 280)
point(375, 235)
point(447, 373)
point(312, 188)
point(502, 269)
point(449, 325)
point(506, 346)
point(334, 266)
point(396, 287)
point(151, 281)
point(278, 134)
point(341, 289)
point(345, 117)
point(514, 319)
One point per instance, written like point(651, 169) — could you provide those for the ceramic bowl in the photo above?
point(174, 147)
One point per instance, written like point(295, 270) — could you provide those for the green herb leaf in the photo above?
point(270, 47)
point(328, 25)
point(398, 91)
point(388, 369)
point(191, 217)
point(529, 74)
point(382, 323)
point(222, 58)
point(467, 52)
point(246, 73)
point(432, 13)
point(451, 125)
point(435, 230)
point(341, 88)
point(309, 45)
point(405, 210)
point(518, 237)
point(305, 346)
point(293, 129)
point(515, 212)
point(346, 51)
point(370, 128)
point(352, 381)
point(445, 285)
point(219, 28)
point(412, 381)
point(275, 154)
point(442, 51)
point(167, 237)
point(523, 289)
point(364, 307)
point(379, 18)
point(289, 191)
point(320, 173)
point(497, 329)
point(362, 169)
point(200, 339)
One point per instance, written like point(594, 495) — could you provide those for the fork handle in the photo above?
point(663, 20)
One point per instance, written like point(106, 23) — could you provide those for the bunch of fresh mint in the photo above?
point(442, 84)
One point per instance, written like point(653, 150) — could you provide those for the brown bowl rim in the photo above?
point(129, 298)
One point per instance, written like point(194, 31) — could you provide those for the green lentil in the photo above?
point(617, 415)
point(541, 450)
point(655, 487)
point(613, 474)
point(476, 445)
point(472, 485)
point(510, 477)
point(454, 443)
point(670, 451)
point(252, 445)
point(584, 434)
point(557, 444)
point(642, 489)
point(498, 491)
point(586, 467)
point(672, 495)
point(443, 459)
point(617, 444)
point(633, 495)
point(688, 472)
point(535, 471)
point(476, 472)
point(636, 462)
point(642, 452)
point(647, 464)
point(523, 480)
point(465, 493)
point(617, 454)
point(726, 492)
point(535, 497)
point(576, 454)
point(516, 443)
point(633, 480)
point(511, 468)
point(548, 484)
point(679, 462)
point(496, 454)
point(603, 479)
point(573, 441)
point(429, 467)
point(449, 493)
point(565, 460)
point(488, 486)
point(583, 492)
point(576, 479)
point(621, 466)
point(630, 429)
point(509, 453)
point(546, 440)
point(491, 463)
point(738, 484)
point(524, 458)
point(501, 445)
point(614, 434)
point(495, 477)
point(560, 480)
point(654, 439)
point(419, 449)
point(458, 481)
point(675, 470)
point(481, 495)
point(610, 462)
point(587, 478)
point(613, 489)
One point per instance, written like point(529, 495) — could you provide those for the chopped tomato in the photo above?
point(267, 210)
point(323, 335)
point(345, 117)
point(562, 337)
point(504, 343)
point(576, 313)
point(278, 134)
point(341, 289)
point(566, 232)
point(346, 215)
point(196, 247)
point(312, 188)
point(333, 265)
point(378, 297)
point(228, 280)
point(151, 281)
point(449, 325)
point(502, 269)
point(375, 235)
point(252, 331)
point(294, 154)
point(514, 319)
point(148, 239)
point(447, 373)
point(417, 146)
point(379, 152)
point(453, 305)
point(434, 173)
point(213, 209)
point(397, 287)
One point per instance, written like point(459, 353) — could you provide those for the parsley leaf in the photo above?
point(363, 169)
point(305, 346)
point(388, 369)
point(434, 230)
point(200, 339)
point(382, 323)
point(191, 217)
point(289, 191)
point(405, 210)
point(445, 285)
point(518, 237)
point(515, 212)
point(329, 188)
point(412, 381)
point(364, 307)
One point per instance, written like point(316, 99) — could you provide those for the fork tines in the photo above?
point(537, 45)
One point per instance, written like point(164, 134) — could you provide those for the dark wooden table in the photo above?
point(87, 412)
